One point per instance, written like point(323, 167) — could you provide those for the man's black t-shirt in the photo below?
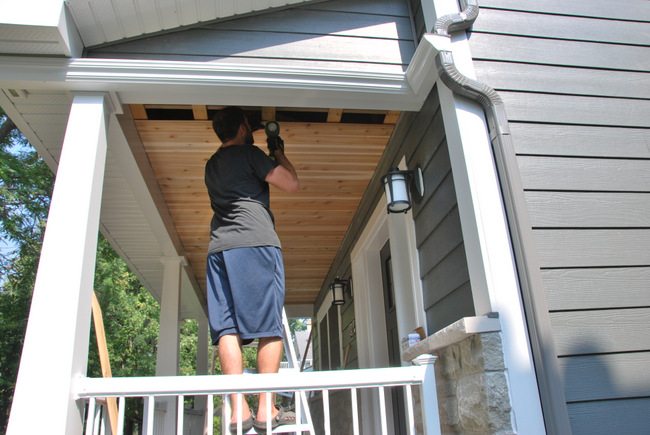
point(239, 196)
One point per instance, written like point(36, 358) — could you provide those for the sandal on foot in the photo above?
point(282, 418)
point(246, 425)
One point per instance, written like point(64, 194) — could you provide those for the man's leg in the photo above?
point(269, 354)
point(232, 363)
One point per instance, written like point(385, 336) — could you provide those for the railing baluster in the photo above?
point(268, 413)
point(209, 416)
point(355, 411)
point(100, 426)
point(180, 413)
point(240, 412)
point(297, 399)
point(90, 417)
point(326, 411)
point(98, 420)
point(226, 411)
point(120, 415)
point(149, 413)
point(409, 409)
point(382, 410)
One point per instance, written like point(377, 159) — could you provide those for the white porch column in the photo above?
point(169, 336)
point(168, 341)
point(202, 357)
point(55, 351)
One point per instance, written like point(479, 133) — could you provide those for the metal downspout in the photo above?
point(529, 276)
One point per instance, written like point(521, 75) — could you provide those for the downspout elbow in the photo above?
point(448, 24)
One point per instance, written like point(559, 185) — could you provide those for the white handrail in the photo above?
point(151, 388)
point(246, 383)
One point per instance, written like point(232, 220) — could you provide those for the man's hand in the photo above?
point(274, 143)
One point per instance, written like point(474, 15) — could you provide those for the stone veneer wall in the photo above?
point(473, 395)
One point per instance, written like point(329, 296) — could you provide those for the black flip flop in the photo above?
point(246, 425)
point(282, 418)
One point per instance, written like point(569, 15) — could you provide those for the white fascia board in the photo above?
point(167, 82)
point(39, 27)
point(31, 12)
point(69, 34)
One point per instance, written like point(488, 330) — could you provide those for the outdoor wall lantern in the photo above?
point(398, 186)
point(338, 288)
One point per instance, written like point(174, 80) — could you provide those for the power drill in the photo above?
point(273, 139)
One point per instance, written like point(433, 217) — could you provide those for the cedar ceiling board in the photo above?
point(334, 162)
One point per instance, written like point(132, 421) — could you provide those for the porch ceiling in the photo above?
point(335, 157)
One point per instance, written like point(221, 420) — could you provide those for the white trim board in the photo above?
point(492, 269)
point(175, 82)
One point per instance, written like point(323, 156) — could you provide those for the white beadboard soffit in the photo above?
point(104, 21)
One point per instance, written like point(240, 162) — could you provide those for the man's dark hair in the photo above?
point(226, 122)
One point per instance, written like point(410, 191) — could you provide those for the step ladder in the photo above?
point(304, 422)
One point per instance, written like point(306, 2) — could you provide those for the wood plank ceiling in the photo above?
point(335, 153)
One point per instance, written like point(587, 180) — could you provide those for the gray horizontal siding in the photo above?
point(564, 80)
point(419, 26)
point(633, 10)
point(601, 331)
point(597, 288)
point(589, 209)
point(619, 376)
point(454, 306)
point(520, 23)
point(606, 417)
point(560, 52)
point(369, 7)
point(575, 80)
point(446, 289)
point(435, 247)
point(569, 109)
point(343, 34)
point(580, 140)
point(447, 276)
point(585, 174)
point(593, 248)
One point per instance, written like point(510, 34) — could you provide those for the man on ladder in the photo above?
point(245, 271)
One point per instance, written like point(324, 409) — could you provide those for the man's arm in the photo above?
point(283, 176)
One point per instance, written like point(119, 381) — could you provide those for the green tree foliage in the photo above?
point(130, 316)
point(298, 324)
point(25, 190)
point(131, 325)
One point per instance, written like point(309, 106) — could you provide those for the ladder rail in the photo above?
point(302, 409)
point(304, 420)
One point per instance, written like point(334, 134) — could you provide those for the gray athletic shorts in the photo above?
point(245, 293)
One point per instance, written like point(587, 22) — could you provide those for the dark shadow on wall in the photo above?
point(607, 393)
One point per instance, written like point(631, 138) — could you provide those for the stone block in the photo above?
point(492, 351)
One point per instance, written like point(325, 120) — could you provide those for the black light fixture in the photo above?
point(338, 288)
point(398, 185)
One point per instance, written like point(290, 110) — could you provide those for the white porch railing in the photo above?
point(423, 419)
